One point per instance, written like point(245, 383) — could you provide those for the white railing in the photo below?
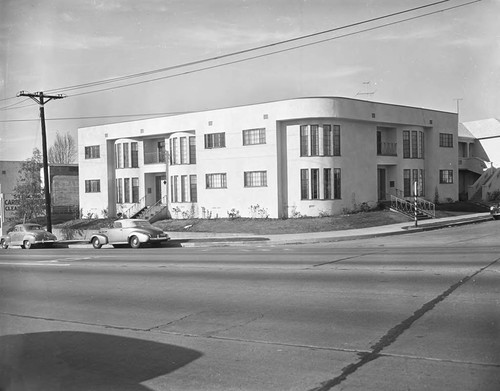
point(408, 207)
point(134, 209)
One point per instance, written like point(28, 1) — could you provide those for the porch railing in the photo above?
point(423, 207)
point(136, 208)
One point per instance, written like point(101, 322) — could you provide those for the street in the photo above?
point(407, 312)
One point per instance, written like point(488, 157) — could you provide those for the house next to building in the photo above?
point(299, 157)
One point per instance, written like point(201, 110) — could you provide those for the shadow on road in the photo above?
point(70, 360)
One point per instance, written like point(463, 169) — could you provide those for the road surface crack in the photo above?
point(392, 335)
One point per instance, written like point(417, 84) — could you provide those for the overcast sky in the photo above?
point(46, 45)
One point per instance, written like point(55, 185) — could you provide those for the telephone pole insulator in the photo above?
point(40, 98)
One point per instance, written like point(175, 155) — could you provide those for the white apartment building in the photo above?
point(299, 157)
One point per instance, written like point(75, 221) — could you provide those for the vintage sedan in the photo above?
point(131, 232)
point(28, 235)
point(495, 211)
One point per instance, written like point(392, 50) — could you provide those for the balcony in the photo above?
point(387, 149)
point(472, 164)
point(156, 157)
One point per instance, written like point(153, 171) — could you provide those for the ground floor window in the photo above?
point(445, 176)
point(255, 178)
point(216, 181)
point(311, 184)
point(186, 186)
point(92, 186)
point(410, 177)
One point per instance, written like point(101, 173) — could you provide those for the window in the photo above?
point(327, 140)
point(414, 144)
point(406, 144)
point(314, 140)
point(216, 181)
point(174, 188)
point(184, 150)
point(336, 184)
point(134, 148)
point(92, 152)
point(193, 188)
point(93, 186)
point(421, 145)
point(446, 140)
point(406, 183)
point(304, 140)
point(254, 136)
point(314, 183)
point(126, 190)
point(174, 151)
point(445, 176)
point(184, 187)
point(118, 156)
point(192, 149)
point(119, 191)
point(336, 140)
point(255, 179)
point(327, 181)
point(135, 190)
point(126, 156)
point(215, 140)
point(304, 184)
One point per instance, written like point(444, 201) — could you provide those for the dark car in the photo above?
point(27, 236)
point(132, 232)
point(495, 211)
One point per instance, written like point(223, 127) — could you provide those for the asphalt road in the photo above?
point(412, 312)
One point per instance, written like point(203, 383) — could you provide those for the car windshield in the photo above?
point(34, 227)
point(141, 224)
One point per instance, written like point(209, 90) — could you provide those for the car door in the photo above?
point(115, 234)
point(16, 236)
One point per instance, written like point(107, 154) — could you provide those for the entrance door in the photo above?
point(381, 184)
point(160, 187)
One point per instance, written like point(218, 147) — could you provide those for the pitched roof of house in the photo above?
point(485, 128)
point(464, 132)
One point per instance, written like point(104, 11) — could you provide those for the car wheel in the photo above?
point(26, 244)
point(96, 243)
point(134, 242)
point(4, 245)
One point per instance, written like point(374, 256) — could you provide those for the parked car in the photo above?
point(132, 232)
point(495, 211)
point(27, 236)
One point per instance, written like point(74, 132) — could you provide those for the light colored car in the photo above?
point(132, 232)
point(27, 236)
point(495, 211)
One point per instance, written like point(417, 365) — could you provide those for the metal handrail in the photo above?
point(408, 207)
point(136, 207)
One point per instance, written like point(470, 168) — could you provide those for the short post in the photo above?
point(415, 202)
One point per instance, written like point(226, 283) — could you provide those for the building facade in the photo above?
point(291, 158)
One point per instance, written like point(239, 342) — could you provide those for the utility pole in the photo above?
point(458, 106)
point(41, 99)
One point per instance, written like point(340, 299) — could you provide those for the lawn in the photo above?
point(261, 226)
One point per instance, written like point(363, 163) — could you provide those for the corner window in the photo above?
point(92, 186)
point(92, 152)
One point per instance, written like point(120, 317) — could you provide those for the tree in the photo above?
point(63, 151)
point(28, 193)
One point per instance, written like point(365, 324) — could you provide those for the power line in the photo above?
point(274, 52)
point(245, 51)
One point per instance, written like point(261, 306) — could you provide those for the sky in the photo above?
point(446, 60)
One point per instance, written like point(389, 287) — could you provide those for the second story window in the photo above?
point(215, 140)
point(413, 144)
point(254, 136)
point(445, 176)
point(92, 152)
point(446, 140)
point(134, 150)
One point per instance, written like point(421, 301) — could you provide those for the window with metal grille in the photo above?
point(215, 140)
point(255, 178)
point(254, 136)
point(216, 181)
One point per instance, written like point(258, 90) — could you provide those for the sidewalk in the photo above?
point(206, 239)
